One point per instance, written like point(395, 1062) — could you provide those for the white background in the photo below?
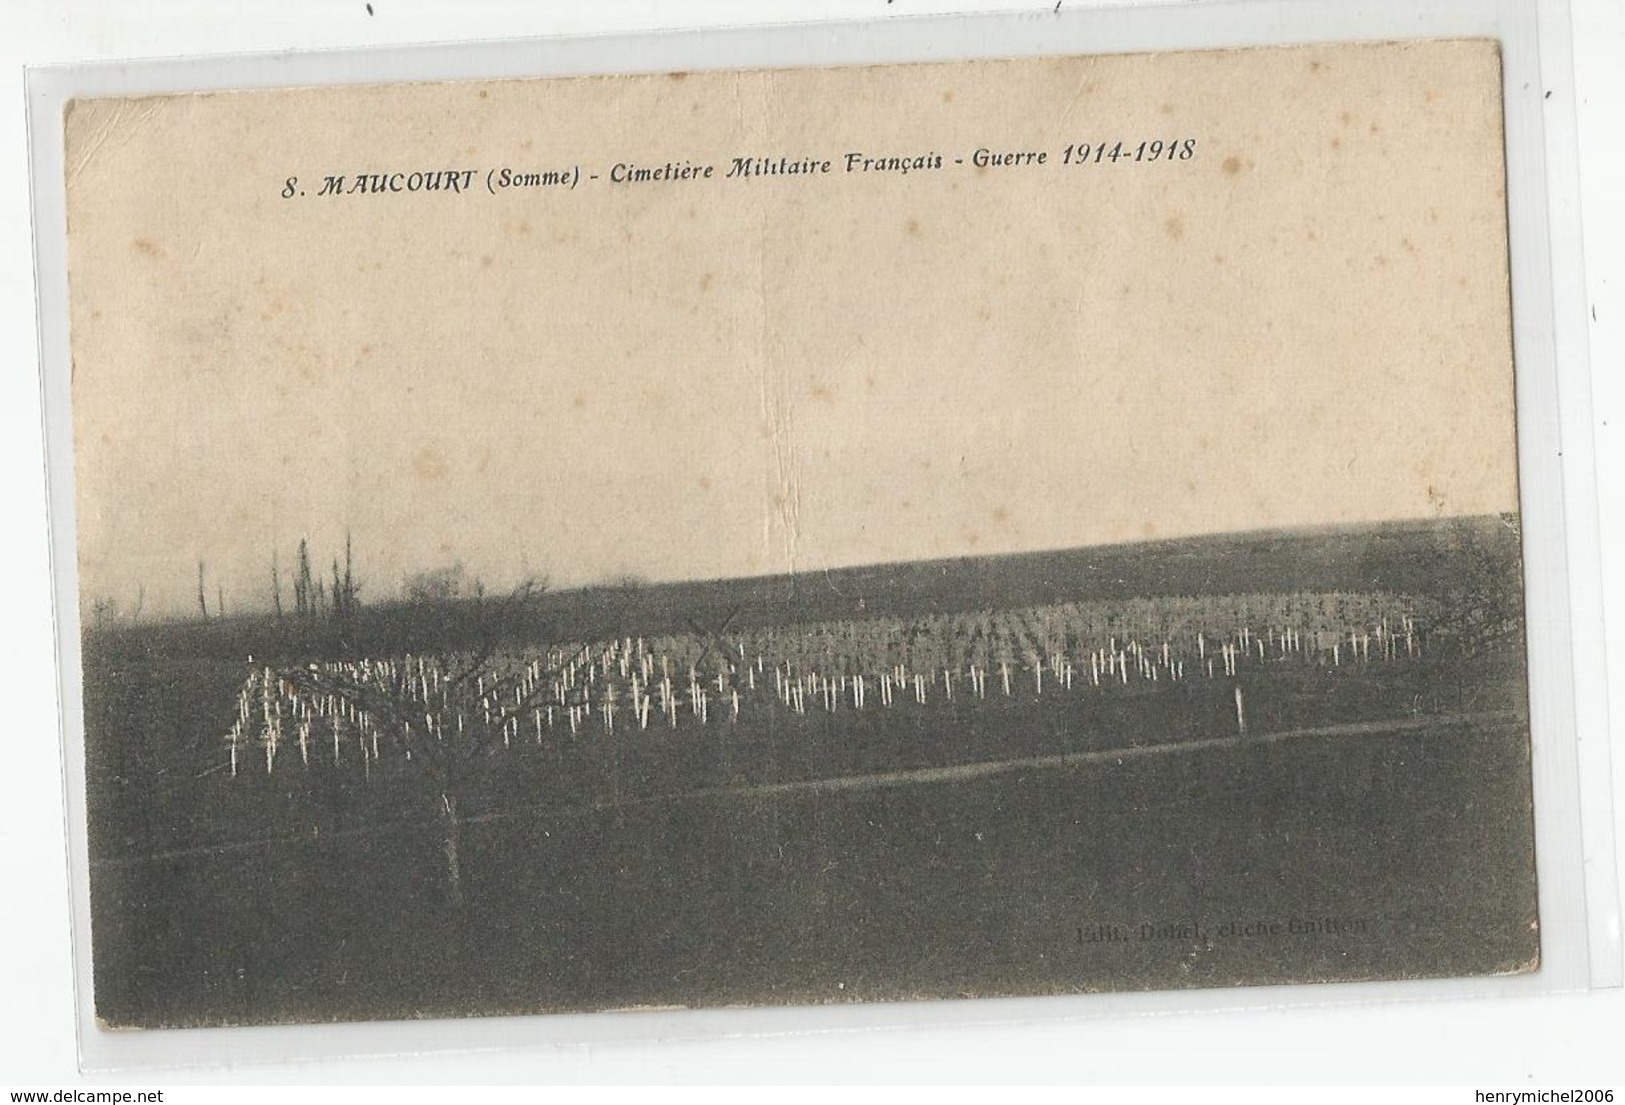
point(1545, 1042)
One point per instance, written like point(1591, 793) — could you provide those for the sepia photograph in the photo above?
point(788, 537)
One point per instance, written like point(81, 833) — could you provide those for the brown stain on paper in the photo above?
point(429, 465)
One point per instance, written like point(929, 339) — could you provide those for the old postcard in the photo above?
point(981, 528)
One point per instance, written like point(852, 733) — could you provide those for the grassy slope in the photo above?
point(1405, 557)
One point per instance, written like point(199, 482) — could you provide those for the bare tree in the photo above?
point(345, 593)
point(276, 584)
point(351, 589)
point(304, 595)
point(450, 761)
point(438, 584)
point(202, 599)
point(1478, 584)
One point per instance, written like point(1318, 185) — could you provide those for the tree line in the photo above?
point(314, 595)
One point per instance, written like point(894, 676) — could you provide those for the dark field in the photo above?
point(1373, 823)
